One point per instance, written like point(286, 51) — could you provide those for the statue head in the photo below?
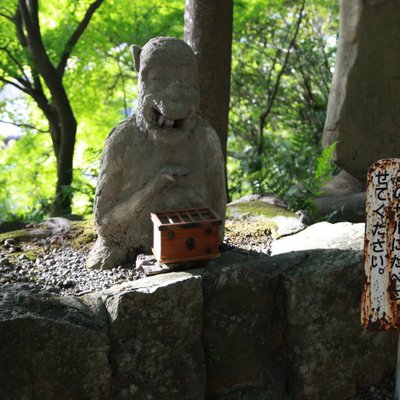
point(168, 89)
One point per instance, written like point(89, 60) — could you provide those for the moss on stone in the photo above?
point(82, 234)
point(80, 237)
point(19, 235)
point(249, 234)
point(257, 208)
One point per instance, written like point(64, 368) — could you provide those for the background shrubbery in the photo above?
point(283, 59)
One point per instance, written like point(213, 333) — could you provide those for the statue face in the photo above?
point(168, 95)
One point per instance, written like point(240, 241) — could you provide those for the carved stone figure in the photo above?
point(164, 157)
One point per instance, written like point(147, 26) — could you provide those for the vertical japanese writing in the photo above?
point(382, 246)
point(394, 260)
point(378, 254)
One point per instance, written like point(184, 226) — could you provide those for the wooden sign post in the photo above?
point(380, 303)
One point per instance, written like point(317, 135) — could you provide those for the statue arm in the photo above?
point(134, 204)
point(126, 208)
point(109, 206)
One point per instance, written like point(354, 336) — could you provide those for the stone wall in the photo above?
point(244, 327)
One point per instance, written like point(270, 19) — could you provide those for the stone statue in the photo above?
point(164, 157)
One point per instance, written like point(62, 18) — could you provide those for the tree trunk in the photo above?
point(208, 30)
point(63, 135)
point(63, 197)
point(57, 108)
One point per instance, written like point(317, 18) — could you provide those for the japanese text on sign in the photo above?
point(381, 294)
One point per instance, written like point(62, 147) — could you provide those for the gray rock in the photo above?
point(52, 347)
point(4, 261)
point(342, 184)
point(163, 158)
point(243, 340)
point(323, 235)
point(342, 199)
point(155, 324)
point(364, 104)
point(330, 355)
point(268, 198)
point(292, 322)
point(56, 226)
point(347, 207)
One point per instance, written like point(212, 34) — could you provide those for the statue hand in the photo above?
point(173, 172)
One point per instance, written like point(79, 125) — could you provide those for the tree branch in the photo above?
point(21, 88)
point(26, 81)
point(309, 96)
point(69, 46)
point(23, 126)
point(30, 18)
point(9, 17)
point(19, 27)
point(6, 13)
point(271, 98)
point(41, 61)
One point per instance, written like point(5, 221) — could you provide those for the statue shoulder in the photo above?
point(209, 142)
point(205, 132)
point(119, 144)
point(123, 133)
point(211, 137)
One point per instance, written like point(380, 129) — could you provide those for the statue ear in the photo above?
point(136, 50)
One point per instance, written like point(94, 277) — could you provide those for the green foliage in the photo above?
point(100, 84)
point(302, 196)
point(280, 88)
point(27, 177)
point(288, 83)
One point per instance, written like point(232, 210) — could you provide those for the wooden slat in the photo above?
point(177, 217)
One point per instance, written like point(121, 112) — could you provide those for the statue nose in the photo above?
point(180, 92)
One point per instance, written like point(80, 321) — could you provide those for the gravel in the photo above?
point(63, 271)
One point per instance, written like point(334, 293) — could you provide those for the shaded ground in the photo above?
point(383, 391)
point(53, 257)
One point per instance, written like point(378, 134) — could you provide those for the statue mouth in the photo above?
point(164, 122)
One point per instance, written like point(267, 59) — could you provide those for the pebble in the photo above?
point(62, 271)
point(4, 261)
point(9, 243)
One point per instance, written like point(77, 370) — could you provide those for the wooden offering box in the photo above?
point(186, 235)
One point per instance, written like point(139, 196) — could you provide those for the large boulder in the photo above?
point(289, 325)
point(364, 104)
